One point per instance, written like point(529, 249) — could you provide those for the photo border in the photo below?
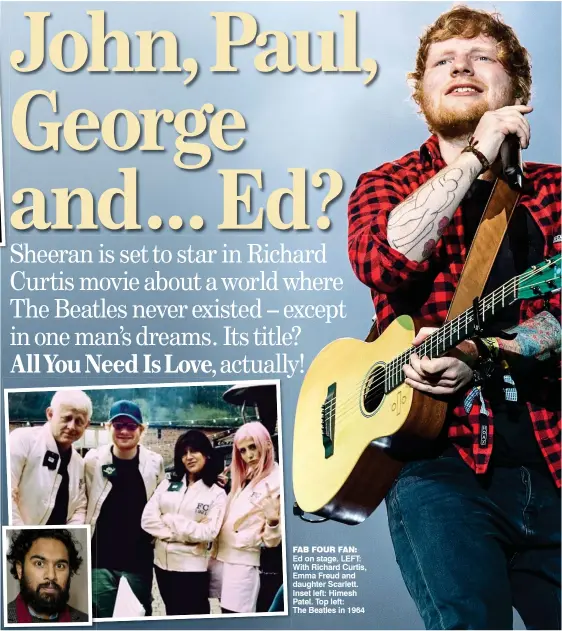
point(5, 544)
point(3, 226)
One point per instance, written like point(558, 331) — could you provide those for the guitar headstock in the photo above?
point(540, 280)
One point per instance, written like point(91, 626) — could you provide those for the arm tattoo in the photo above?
point(416, 216)
point(442, 226)
point(428, 248)
point(538, 337)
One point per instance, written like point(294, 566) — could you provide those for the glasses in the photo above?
point(119, 426)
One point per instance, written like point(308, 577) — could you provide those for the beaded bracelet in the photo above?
point(471, 148)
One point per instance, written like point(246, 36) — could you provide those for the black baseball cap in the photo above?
point(125, 408)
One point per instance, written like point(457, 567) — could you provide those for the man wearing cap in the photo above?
point(46, 472)
point(120, 479)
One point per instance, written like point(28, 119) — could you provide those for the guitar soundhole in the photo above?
point(373, 392)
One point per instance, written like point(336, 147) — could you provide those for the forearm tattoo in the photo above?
point(538, 337)
point(418, 218)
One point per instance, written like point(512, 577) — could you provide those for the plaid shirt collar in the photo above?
point(430, 153)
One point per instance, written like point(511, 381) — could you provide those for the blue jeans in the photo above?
point(471, 547)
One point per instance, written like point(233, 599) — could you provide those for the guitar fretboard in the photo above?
point(452, 333)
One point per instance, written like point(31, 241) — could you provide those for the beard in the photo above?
point(43, 603)
point(461, 123)
point(451, 123)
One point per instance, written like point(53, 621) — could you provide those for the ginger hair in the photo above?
point(467, 23)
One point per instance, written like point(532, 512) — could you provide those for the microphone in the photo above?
point(510, 153)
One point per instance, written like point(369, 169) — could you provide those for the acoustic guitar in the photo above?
point(354, 406)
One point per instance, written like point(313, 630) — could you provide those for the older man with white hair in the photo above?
point(47, 473)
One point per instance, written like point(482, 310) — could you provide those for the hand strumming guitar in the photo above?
point(442, 376)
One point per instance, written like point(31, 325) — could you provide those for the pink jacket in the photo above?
point(245, 530)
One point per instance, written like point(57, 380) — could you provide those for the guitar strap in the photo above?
point(484, 248)
point(482, 253)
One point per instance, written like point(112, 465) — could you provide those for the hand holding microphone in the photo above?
point(504, 132)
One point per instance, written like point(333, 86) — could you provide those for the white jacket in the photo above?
point(35, 480)
point(185, 521)
point(151, 468)
point(245, 528)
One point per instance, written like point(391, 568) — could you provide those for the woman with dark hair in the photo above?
point(185, 515)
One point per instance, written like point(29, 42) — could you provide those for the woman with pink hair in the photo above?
point(252, 519)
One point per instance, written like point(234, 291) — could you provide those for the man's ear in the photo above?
point(19, 569)
point(49, 413)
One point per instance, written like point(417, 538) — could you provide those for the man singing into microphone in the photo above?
point(476, 524)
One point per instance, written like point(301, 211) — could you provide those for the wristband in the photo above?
point(471, 148)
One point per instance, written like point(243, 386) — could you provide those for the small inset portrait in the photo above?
point(46, 576)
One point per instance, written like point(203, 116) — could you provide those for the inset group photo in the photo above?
point(180, 485)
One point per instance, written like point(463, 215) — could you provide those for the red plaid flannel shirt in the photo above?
point(425, 290)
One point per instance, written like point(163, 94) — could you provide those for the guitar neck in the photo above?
point(453, 332)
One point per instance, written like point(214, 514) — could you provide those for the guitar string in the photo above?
point(434, 342)
point(441, 334)
point(467, 319)
point(375, 386)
